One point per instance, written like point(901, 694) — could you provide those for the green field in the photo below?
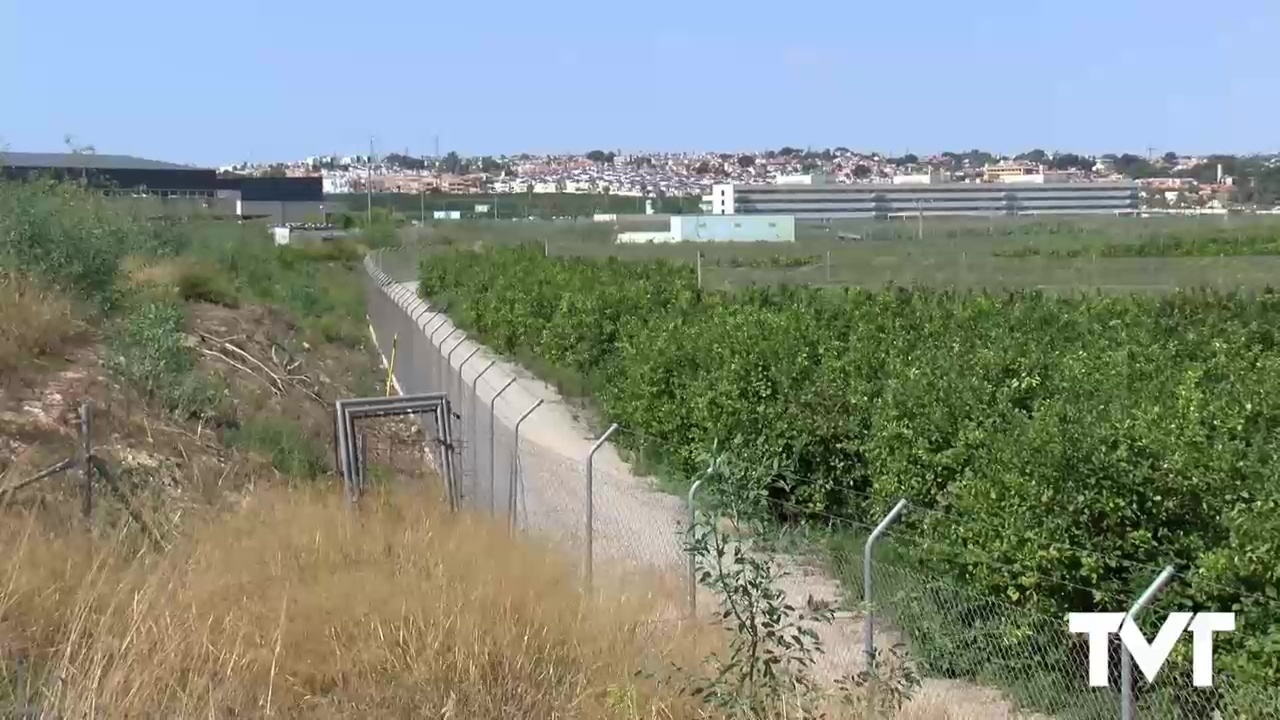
point(1108, 255)
point(1065, 442)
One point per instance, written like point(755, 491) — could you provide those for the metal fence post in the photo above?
point(473, 425)
point(493, 453)
point(869, 643)
point(436, 351)
point(1127, 706)
point(591, 456)
point(362, 478)
point(448, 362)
point(513, 508)
point(693, 566)
point(86, 455)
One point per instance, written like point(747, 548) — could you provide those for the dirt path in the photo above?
point(635, 524)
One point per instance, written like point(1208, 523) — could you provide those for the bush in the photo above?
point(197, 283)
point(1080, 441)
point(150, 351)
point(292, 452)
point(74, 238)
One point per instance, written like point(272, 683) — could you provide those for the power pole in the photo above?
point(368, 185)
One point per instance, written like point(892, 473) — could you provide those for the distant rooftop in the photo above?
point(89, 161)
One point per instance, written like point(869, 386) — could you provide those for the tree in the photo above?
point(1070, 161)
point(452, 164)
point(787, 151)
point(1171, 158)
point(746, 161)
point(404, 161)
point(489, 165)
point(1037, 156)
point(861, 171)
point(596, 156)
point(702, 168)
point(1133, 166)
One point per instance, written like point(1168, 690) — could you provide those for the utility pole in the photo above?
point(368, 185)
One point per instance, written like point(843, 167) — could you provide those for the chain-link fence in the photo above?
point(523, 454)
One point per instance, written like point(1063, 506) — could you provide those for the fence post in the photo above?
point(493, 453)
point(473, 425)
point(86, 454)
point(693, 566)
point(463, 364)
point(515, 464)
point(391, 365)
point(591, 456)
point(362, 481)
point(869, 643)
point(448, 363)
point(1127, 705)
point(699, 261)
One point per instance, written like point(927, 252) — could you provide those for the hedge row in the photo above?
point(1071, 437)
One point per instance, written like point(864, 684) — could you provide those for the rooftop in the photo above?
point(89, 161)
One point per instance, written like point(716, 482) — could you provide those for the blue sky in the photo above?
point(265, 80)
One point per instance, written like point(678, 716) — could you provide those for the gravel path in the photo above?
point(636, 526)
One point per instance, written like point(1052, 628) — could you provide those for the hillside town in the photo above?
point(1168, 181)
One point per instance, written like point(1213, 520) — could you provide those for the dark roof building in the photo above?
point(86, 160)
point(125, 174)
point(119, 173)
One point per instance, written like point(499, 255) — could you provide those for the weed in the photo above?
point(293, 606)
point(198, 283)
point(34, 322)
point(150, 350)
point(292, 452)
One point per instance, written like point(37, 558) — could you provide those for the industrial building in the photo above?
point(718, 228)
point(822, 200)
point(179, 189)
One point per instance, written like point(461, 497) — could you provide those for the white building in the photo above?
point(932, 177)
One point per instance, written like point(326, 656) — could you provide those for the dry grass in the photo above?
point(292, 606)
point(34, 323)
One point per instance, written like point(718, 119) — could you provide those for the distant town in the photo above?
point(1168, 180)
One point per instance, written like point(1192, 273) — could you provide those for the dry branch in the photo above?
point(59, 467)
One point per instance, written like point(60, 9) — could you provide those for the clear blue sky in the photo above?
point(264, 80)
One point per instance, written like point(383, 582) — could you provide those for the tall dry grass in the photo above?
point(293, 606)
point(34, 322)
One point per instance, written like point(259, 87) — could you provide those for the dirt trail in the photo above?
point(635, 524)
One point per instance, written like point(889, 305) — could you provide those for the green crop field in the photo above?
point(1105, 255)
point(1081, 440)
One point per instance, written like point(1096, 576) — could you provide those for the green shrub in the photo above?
point(1078, 441)
point(292, 452)
point(150, 350)
point(74, 239)
point(197, 283)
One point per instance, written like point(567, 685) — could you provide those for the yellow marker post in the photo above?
point(391, 366)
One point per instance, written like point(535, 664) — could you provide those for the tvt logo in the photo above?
point(1150, 657)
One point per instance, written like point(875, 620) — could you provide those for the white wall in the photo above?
point(722, 199)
